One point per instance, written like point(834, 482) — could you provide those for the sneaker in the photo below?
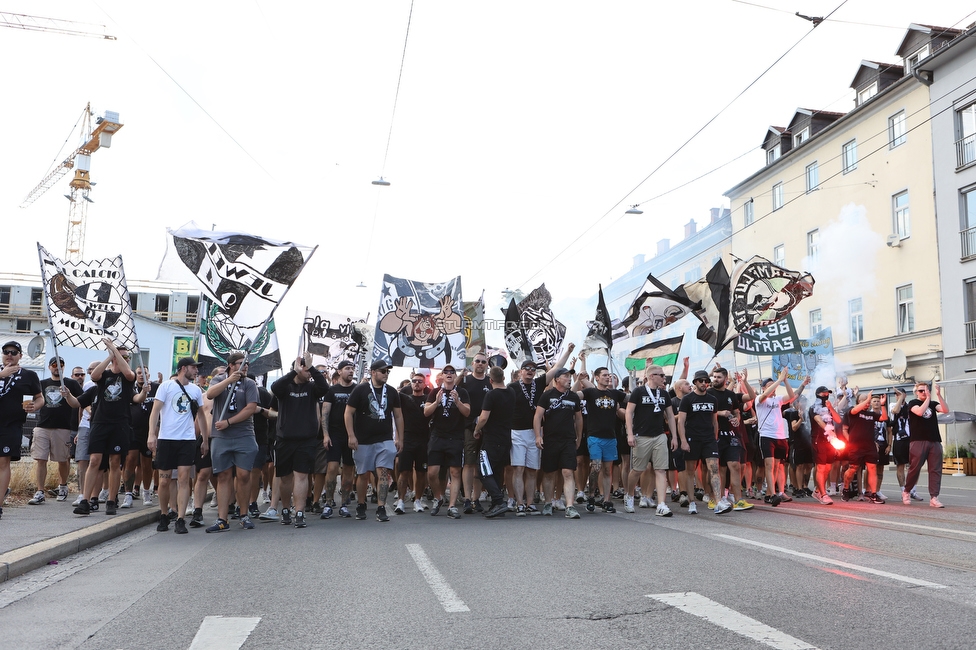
point(675, 496)
point(478, 507)
point(683, 500)
point(300, 520)
point(742, 504)
point(692, 508)
point(823, 498)
point(711, 504)
point(646, 502)
point(344, 512)
point(103, 496)
point(361, 511)
point(410, 496)
point(381, 513)
point(180, 528)
point(881, 496)
point(269, 515)
point(38, 499)
point(196, 521)
point(914, 495)
point(699, 494)
point(580, 497)
point(775, 500)
point(608, 507)
point(532, 510)
point(235, 513)
point(246, 523)
point(398, 507)
point(663, 510)
point(785, 498)
point(831, 492)
point(572, 513)
point(424, 503)
point(218, 526)
point(520, 510)
point(163, 524)
point(547, 510)
point(83, 508)
point(906, 498)
point(434, 509)
point(77, 502)
point(935, 503)
point(110, 508)
point(591, 504)
point(876, 497)
point(847, 494)
point(468, 507)
point(62, 493)
point(628, 504)
point(147, 497)
point(497, 510)
point(213, 501)
point(285, 517)
point(126, 501)
point(326, 512)
point(453, 513)
point(511, 505)
point(418, 506)
point(172, 515)
point(190, 507)
point(723, 506)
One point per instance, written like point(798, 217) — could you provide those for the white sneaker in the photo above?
point(645, 502)
point(213, 501)
point(935, 503)
point(905, 498)
point(511, 505)
point(410, 496)
point(881, 496)
point(628, 504)
point(424, 503)
point(77, 502)
point(831, 492)
point(559, 505)
point(103, 496)
point(723, 506)
point(483, 496)
point(147, 497)
point(127, 501)
point(692, 508)
point(189, 507)
point(664, 511)
point(62, 493)
point(38, 498)
point(580, 497)
point(914, 496)
point(418, 506)
point(398, 507)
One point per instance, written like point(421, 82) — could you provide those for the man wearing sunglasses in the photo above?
point(412, 459)
point(20, 392)
point(372, 409)
point(448, 409)
point(698, 430)
point(56, 421)
point(925, 443)
point(478, 385)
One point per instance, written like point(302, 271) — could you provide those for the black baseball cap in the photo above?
point(560, 372)
point(380, 364)
point(822, 389)
point(529, 364)
point(345, 363)
point(187, 361)
point(12, 344)
point(54, 360)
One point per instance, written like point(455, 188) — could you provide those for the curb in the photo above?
point(33, 556)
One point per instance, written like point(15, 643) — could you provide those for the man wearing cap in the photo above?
point(177, 411)
point(336, 438)
point(412, 459)
point(477, 384)
point(558, 427)
point(57, 418)
point(823, 420)
point(731, 453)
point(525, 454)
point(20, 392)
point(864, 418)
point(604, 408)
point(370, 414)
point(698, 430)
point(448, 409)
point(773, 436)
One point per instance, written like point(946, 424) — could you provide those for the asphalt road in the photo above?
point(800, 575)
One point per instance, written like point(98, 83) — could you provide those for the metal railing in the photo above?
point(21, 309)
point(967, 241)
point(970, 336)
point(966, 150)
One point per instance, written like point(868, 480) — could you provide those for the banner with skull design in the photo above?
point(332, 338)
point(87, 301)
point(543, 331)
point(420, 324)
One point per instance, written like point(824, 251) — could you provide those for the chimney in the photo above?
point(663, 245)
point(638, 260)
point(690, 229)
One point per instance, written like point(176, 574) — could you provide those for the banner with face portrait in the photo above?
point(420, 324)
point(331, 338)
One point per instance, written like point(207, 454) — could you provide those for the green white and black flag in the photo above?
point(660, 353)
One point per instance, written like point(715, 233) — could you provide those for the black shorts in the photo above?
point(200, 461)
point(863, 455)
point(700, 449)
point(824, 453)
point(558, 454)
point(623, 448)
point(730, 450)
point(801, 453)
point(294, 456)
point(773, 448)
point(173, 454)
point(412, 457)
point(339, 451)
point(584, 449)
point(140, 442)
point(10, 440)
point(499, 457)
point(676, 458)
point(109, 438)
point(899, 449)
point(444, 452)
point(883, 457)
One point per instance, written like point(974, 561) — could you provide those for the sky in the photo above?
point(522, 131)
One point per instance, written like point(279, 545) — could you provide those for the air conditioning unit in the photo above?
point(894, 240)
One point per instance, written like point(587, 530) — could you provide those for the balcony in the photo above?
point(968, 242)
point(970, 336)
point(965, 151)
point(21, 310)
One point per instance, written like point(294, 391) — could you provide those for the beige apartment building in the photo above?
point(849, 197)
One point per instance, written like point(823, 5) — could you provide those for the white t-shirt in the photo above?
point(769, 417)
point(175, 416)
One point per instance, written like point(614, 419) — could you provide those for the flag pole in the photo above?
point(50, 323)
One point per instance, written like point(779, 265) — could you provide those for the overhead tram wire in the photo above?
point(677, 151)
point(396, 95)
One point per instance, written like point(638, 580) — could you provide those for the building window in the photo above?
point(801, 137)
point(816, 322)
point(849, 156)
point(37, 295)
point(913, 60)
point(192, 307)
point(900, 216)
point(967, 223)
point(813, 176)
point(813, 244)
point(779, 255)
point(856, 319)
point(4, 300)
point(772, 154)
point(966, 135)
point(693, 274)
point(867, 93)
point(748, 212)
point(23, 326)
point(897, 130)
point(777, 196)
point(969, 295)
point(162, 307)
point(906, 309)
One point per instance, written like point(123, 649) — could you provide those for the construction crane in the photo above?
point(80, 186)
point(55, 25)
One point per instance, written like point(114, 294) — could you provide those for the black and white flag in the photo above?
point(599, 330)
point(88, 301)
point(543, 331)
point(517, 343)
point(220, 335)
point(763, 293)
point(330, 339)
point(420, 324)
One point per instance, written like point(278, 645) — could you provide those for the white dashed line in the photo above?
point(223, 632)
point(449, 599)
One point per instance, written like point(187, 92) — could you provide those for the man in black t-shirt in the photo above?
point(477, 384)
point(925, 443)
point(604, 409)
point(731, 453)
point(57, 419)
point(900, 441)
point(336, 438)
point(648, 411)
point(558, 427)
point(861, 448)
point(412, 459)
point(139, 454)
point(698, 431)
point(494, 431)
point(448, 408)
point(20, 393)
point(371, 412)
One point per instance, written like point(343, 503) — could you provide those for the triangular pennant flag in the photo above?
point(655, 307)
point(599, 330)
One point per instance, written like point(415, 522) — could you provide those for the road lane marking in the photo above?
point(223, 632)
point(720, 615)
point(834, 514)
point(846, 565)
point(449, 600)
